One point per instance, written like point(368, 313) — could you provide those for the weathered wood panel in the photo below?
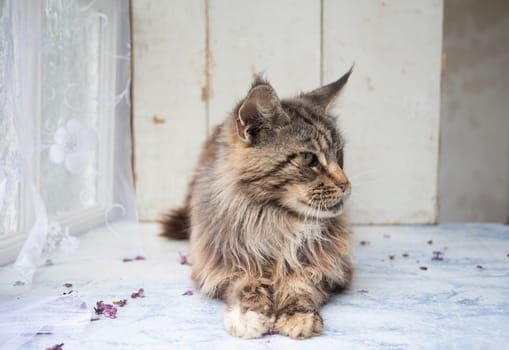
point(279, 38)
point(169, 114)
point(390, 110)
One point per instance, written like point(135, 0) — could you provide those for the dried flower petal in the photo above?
point(430, 242)
point(271, 331)
point(405, 255)
point(139, 294)
point(99, 308)
point(110, 312)
point(138, 257)
point(437, 255)
point(67, 285)
point(56, 347)
point(423, 268)
point(364, 242)
point(182, 259)
point(120, 303)
point(391, 257)
point(479, 267)
point(188, 292)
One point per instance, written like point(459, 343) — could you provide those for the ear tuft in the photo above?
point(324, 97)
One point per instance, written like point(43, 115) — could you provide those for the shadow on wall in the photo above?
point(474, 153)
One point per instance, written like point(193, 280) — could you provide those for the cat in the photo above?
point(263, 213)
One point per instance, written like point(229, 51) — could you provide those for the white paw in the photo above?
point(249, 324)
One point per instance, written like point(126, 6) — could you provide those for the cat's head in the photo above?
point(289, 151)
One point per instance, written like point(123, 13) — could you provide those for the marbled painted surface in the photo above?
point(392, 304)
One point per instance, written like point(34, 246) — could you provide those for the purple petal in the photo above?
point(110, 312)
point(139, 294)
point(182, 259)
point(437, 255)
point(188, 292)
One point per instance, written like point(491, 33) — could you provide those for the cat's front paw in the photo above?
point(246, 324)
point(300, 325)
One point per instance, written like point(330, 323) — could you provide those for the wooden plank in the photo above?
point(169, 114)
point(390, 110)
point(279, 38)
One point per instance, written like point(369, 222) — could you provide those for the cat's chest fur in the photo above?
point(309, 231)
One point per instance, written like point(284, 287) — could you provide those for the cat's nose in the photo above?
point(343, 185)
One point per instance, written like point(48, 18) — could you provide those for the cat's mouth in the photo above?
point(321, 210)
point(335, 207)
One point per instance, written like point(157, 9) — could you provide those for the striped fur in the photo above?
point(264, 209)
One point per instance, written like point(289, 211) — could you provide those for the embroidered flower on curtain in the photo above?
point(58, 237)
point(73, 146)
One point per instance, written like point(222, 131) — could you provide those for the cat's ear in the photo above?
point(259, 108)
point(324, 97)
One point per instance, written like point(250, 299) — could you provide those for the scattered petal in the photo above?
point(405, 255)
point(188, 292)
point(67, 285)
point(106, 310)
point(423, 268)
point(437, 255)
point(362, 291)
point(120, 303)
point(56, 347)
point(19, 283)
point(391, 257)
point(66, 293)
point(430, 242)
point(139, 294)
point(182, 259)
point(110, 311)
point(99, 308)
point(139, 257)
point(271, 331)
point(479, 267)
point(364, 242)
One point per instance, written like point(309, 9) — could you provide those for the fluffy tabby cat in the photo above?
point(263, 213)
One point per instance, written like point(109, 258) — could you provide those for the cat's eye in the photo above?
point(309, 159)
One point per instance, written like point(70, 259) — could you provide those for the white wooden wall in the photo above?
point(193, 60)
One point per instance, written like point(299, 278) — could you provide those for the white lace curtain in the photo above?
point(64, 130)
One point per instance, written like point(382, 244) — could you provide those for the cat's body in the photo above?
point(263, 213)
